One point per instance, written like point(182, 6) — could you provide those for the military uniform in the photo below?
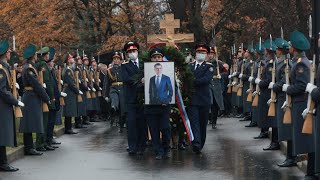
point(198, 110)
point(81, 106)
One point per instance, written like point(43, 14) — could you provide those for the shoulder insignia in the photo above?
point(211, 69)
point(209, 63)
point(299, 60)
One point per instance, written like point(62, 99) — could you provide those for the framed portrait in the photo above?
point(159, 83)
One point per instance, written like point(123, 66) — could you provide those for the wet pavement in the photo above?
point(99, 152)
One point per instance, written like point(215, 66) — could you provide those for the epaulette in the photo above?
point(299, 60)
point(208, 63)
point(126, 62)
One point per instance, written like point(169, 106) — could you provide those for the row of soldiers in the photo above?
point(41, 92)
point(279, 93)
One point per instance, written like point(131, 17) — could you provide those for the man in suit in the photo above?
point(198, 109)
point(160, 88)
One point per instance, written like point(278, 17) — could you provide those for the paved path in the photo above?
point(99, 152)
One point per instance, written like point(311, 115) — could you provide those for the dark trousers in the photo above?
point(77, 121)
point(51, 123)
point(67, 123)
point(3, 155)
point(274, 135)
point(160, 123)
point(214, 111)
point(227, 103)
point(311, 164)
point(289, 150)
point(103, 107)
point(41, 138)
point(28, 141)
point(137, 128)
point(198, 116)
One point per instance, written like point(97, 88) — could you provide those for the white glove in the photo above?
point(21, 104)
point(248, 91)
point(229, 76)
point(304, 113)
point(44, 85)
point(285, 87)
point(17, 86)
point(254, 93)
point(250, 79)
point(257, 81)
point(100, 88)
point(234, 73)
point(107, 99)
point(240, 75)
point(284, 105)
point(93, 89)
point(79, 81)
point(99, 80)
point(87, 79)
point(233, 83)
point(61, 82)
point(310, 87)
point(80, 92)
point(229, 85)
point(63, 94)
point(89, 89)
point(270, 85)
point(219, 76)
point(269, 101)
point(92, 80)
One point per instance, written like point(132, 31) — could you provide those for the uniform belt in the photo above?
point(117, 83)
point(28, 88)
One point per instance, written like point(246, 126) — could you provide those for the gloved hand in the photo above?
point(99, 81)
point(250, 79)
point(257, 81)
point(229, 85)
point(240, 75)
point(63, 94)
point(310, 87)
point(285, 87)
point(284, 105)
point(79, 81)
point(61, 82)
point(219, 76)
point(17, 86)
point(248, 91)
point(44, 85)
point(305, 112)
point(270, 85)
point(94, 90)
point(234, 74)
point(107, 99)
point(233, 83)
point(100, 88)
point(230, 76)
point(87, 79)
point(80, 92)
point(269, 101)
point(254, 93)
point(92, 80)
point(89, 89)
point(21, 104)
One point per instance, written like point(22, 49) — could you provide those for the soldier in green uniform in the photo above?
point(33, 97)
point(41, 141)
point(113, 89)
point(69, 87)
point(86, 82)
point(7, 101)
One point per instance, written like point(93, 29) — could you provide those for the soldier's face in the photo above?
point(116, 60)
point(246, 54)
point(158, 70)
point(211, 55)
point(79, 61)
point(86, 62)
point(156, 58)
point(19, 69)
point(8, 54)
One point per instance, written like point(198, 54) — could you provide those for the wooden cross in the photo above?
point(170, 38)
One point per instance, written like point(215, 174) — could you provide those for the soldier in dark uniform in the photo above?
point(198, 109)
point(113, 89)
point(226, 95)
point(134, 84)
point(93, 107)
point(239, 99)
point(41, 141)
point(85, 74)
point(7, 101)
point(215, 87)
point(69, 87)
point(284, 130)
point(300, 76)
point(265, 121)
point(81, 106)
point(34, 95)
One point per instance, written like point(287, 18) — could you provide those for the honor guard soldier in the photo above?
point(137, 128)
point(93, 86)
point(34, 98)
point(158, 114)
point(69, 87)
point(215, 87)
point(81, 105)
point(85, 74)
point(41, 64)
point(7, 101)
point(198, 109)
point(113, 89)
point(284, 130)
point(300, 76)
point(239, 98)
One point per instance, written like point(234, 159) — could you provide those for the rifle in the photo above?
point(218, 69)
point(239, 92)
point(235, 79)
point(93, 94)
point(84, 75)
point(17, 109)
point(256, 97)
point(79, 97)
point(249, 97)
point(287, 119)
point(58, 76)
point(97, 82)
point(230, 82)
point(45, 107)
point(307, 125)
point(272, 106)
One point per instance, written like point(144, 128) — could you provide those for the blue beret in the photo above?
point(299, 41)
point(29, 51)
point(270, 45)
point(4, 46)
point(282, 43)
point(262, 50)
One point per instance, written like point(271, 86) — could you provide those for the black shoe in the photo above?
point(310, 177)
point(181, 147)
point(262, 135)
point(140, 153)
point(272, 146)
point(131, 153)
point(196, 150)
point(49, 148)
point(79, 126)
point(174, 147)
point(70, 132)
point(56, 147)
point(214, 126)
point(120, 130)
point(55, 142)
point(86, 123)
point(247, 118)
point(41, 149)
point(158, 157)
point(288, 163)
point(252, 125)
point(8, 168)
point(94, 120)
point(166, 155)
point(240, 116)
point(33, 152)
